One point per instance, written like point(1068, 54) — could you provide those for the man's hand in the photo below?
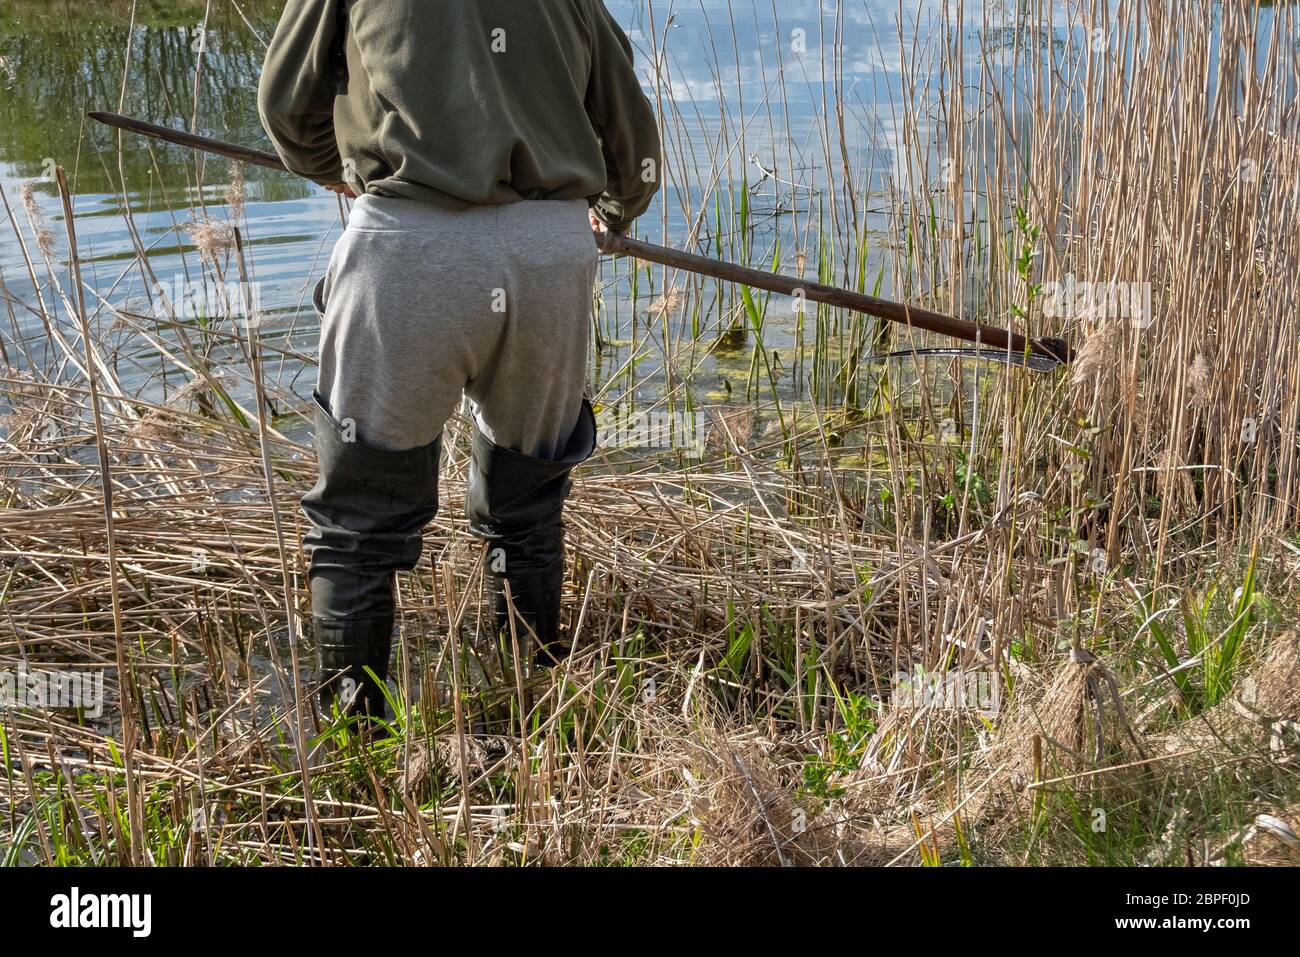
point(599, 227)
point(342, 189)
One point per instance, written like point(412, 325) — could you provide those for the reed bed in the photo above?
point(1111, 549)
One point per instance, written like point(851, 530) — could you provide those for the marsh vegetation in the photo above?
point(778, 629)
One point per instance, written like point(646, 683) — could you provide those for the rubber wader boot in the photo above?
point(515, 504)
point(343, 652)
point(367, 512)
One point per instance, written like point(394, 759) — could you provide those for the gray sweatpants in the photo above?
point(423, 304)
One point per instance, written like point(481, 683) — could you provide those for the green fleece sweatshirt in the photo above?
point(463, 102)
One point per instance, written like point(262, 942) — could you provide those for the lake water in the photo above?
point(749, 88)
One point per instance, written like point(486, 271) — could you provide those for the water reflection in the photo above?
point(751, 95)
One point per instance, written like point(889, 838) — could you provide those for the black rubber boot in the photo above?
point(367, 511)
point(515, 503)
point(344, 651)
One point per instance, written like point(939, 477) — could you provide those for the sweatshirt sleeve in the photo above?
point(295, 97)
point(625, 122)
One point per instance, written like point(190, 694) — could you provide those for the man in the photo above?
point(477, 135)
